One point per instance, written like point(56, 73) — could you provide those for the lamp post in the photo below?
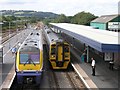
point(1, 23)
point(9, 30)
point(16, 29)
point(9, 34)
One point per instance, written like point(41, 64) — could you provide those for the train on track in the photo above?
point(59, 50)
point(29, 59)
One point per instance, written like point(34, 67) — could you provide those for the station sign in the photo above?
point(114, 25)
point(108, 56)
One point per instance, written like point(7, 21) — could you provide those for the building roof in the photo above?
point(101, 40)
point(105, 18)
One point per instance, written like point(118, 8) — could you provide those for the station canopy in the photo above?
point(101, 40)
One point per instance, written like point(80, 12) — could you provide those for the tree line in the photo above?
point(82, 18)
point(14, 22)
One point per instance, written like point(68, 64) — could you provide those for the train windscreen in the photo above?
point(29, 57)
point(53, 49)
point(66, 48)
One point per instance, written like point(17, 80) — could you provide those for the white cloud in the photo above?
point(68, 7)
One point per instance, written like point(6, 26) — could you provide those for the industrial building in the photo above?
point(107, 22)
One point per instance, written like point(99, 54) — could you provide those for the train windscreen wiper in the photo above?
point(29, 60)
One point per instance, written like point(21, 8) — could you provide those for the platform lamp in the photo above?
point(16, 28)
point(9, 30)
point(1, 23)
point(9, 34)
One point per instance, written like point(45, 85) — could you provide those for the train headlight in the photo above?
point(17, 70)
point(20, 71)
point(66, 56)
point(53, 56)
point(37, 71)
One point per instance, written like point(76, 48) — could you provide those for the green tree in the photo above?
point(61, 19)
point(46, 21)
point(83, 18)
point(9, 18)
point(33, 19)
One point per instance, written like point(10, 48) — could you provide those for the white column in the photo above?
point(57, 31)
point(87, 48)
point(9, 36)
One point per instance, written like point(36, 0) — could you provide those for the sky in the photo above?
point(67, 7)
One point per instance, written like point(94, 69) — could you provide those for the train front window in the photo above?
point(29, 55)
point(35, 58)
point(29, 58)
point(23, 58)
point(66, 48)
point(53, 51)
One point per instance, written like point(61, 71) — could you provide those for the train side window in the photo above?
point(48, 32)
point(53, 51)
point(38, 34)
point(66, 49)
point(31, 34)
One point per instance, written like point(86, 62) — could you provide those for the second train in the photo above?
point(59, 50)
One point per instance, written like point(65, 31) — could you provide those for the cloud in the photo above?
point(13, 2)
point(68, 7)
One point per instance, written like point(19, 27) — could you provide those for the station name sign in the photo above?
point(114, 25)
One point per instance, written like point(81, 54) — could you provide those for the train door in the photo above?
point(60, 53)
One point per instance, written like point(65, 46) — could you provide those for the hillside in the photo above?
point(28, 13)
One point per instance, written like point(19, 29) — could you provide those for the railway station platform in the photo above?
point(105, 78)
point(8, 75)
point(5, 70)
point(103, 46)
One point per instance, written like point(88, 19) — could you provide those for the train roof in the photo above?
point(52, 37)
point(34, 39)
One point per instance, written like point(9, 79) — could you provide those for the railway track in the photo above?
point(75, 81)
point(65, 79)
point(5, 38)
point(52, 80)
point(69, 79)
point(61, 79)
point(16, 86)
point(6, 35)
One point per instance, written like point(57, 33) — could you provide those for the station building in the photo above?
point(107, 22)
